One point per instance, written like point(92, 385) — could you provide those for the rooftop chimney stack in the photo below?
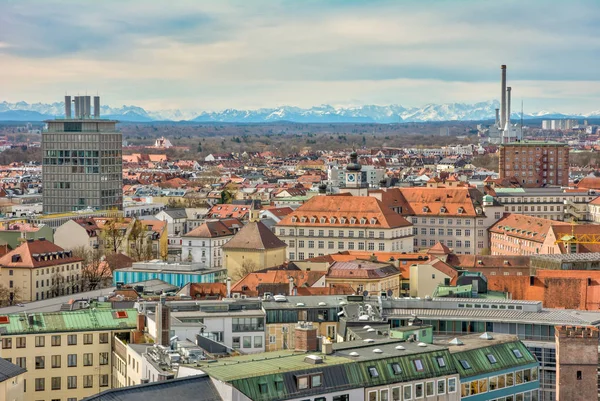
point(67, 106)
point(503, 101)
point(508, 108)
point(96, 106)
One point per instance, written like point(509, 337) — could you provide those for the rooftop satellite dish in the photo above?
point(365, 293)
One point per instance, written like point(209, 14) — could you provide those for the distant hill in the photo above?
point(23, 111)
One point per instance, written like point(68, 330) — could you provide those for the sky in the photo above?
point(247, 54)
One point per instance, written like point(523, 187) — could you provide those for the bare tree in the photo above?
point(140, 242)
point(9, 296)
point(58, 284)
point(247, 267)
point(114, 233)
point(96, 270)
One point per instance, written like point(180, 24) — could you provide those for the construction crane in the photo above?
point(573, 240)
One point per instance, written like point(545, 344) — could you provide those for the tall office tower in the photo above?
point(82, 160)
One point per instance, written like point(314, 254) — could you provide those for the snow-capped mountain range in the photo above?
point(23, 111)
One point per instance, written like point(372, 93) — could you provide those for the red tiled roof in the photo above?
point(37, 253)
point(347, 211)
point(254, 236)
point(457, 202)
point(210, 229)
point(361, 269)
point(525, 227)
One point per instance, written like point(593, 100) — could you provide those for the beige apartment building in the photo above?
point(39, 269)
point(329, 224)
point(548, 203)
point(458, 217)
point(67, 354)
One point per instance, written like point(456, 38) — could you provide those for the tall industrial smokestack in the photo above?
point(77, 104)
point(67, 106)
point(503, 101)
point(88, 107)
point(96, 106)
point(497, 117)
point(508, 107)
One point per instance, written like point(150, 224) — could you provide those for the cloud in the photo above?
point(264, 53)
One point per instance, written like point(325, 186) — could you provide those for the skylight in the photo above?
point(491, 358)
point(517, 353)
point(465, 364)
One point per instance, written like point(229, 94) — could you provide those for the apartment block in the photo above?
point(535, 163)
point(39, 269)
point(67, 354)
point(329, 224)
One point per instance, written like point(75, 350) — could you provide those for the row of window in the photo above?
point(450, 232)
point(56, 382)
point(498, 382)
point(38, 272)
point(340, 234)
point(340, 245)
point(525, 396)
point(334, 220)
point(449, 243)
point(247, 324)
point(415, 391)
point(56, 360)
point(441, 221)
point(247, 342)
point(55, 340)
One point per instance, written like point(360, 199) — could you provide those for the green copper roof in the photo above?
point(502, 353)
point(242, 367)
point(81, 320)
point(509, 190)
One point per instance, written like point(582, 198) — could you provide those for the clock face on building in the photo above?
point(351, 177)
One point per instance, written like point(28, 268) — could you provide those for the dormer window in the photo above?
point(332, 220)
point(312, 220)
point(303, 219)
point(373, 221)
point(443, 209)
point(425, 209)
point(323, 220)
point(461, 210)
point(343, 220)
point(352, 220)
point(294, 219)
point(363, 221)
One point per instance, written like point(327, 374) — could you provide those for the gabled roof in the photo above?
point(252, 280)
point(439, 249)
point(344, 211)
point(198, 388)
point(210, 229)
point(525, 227)
point(9, 370)
point(37, 253)
point(254, 236)
point(176, 213)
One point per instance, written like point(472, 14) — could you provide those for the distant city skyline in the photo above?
point(208, 55)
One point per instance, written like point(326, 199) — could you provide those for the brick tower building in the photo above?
point(576, 363)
